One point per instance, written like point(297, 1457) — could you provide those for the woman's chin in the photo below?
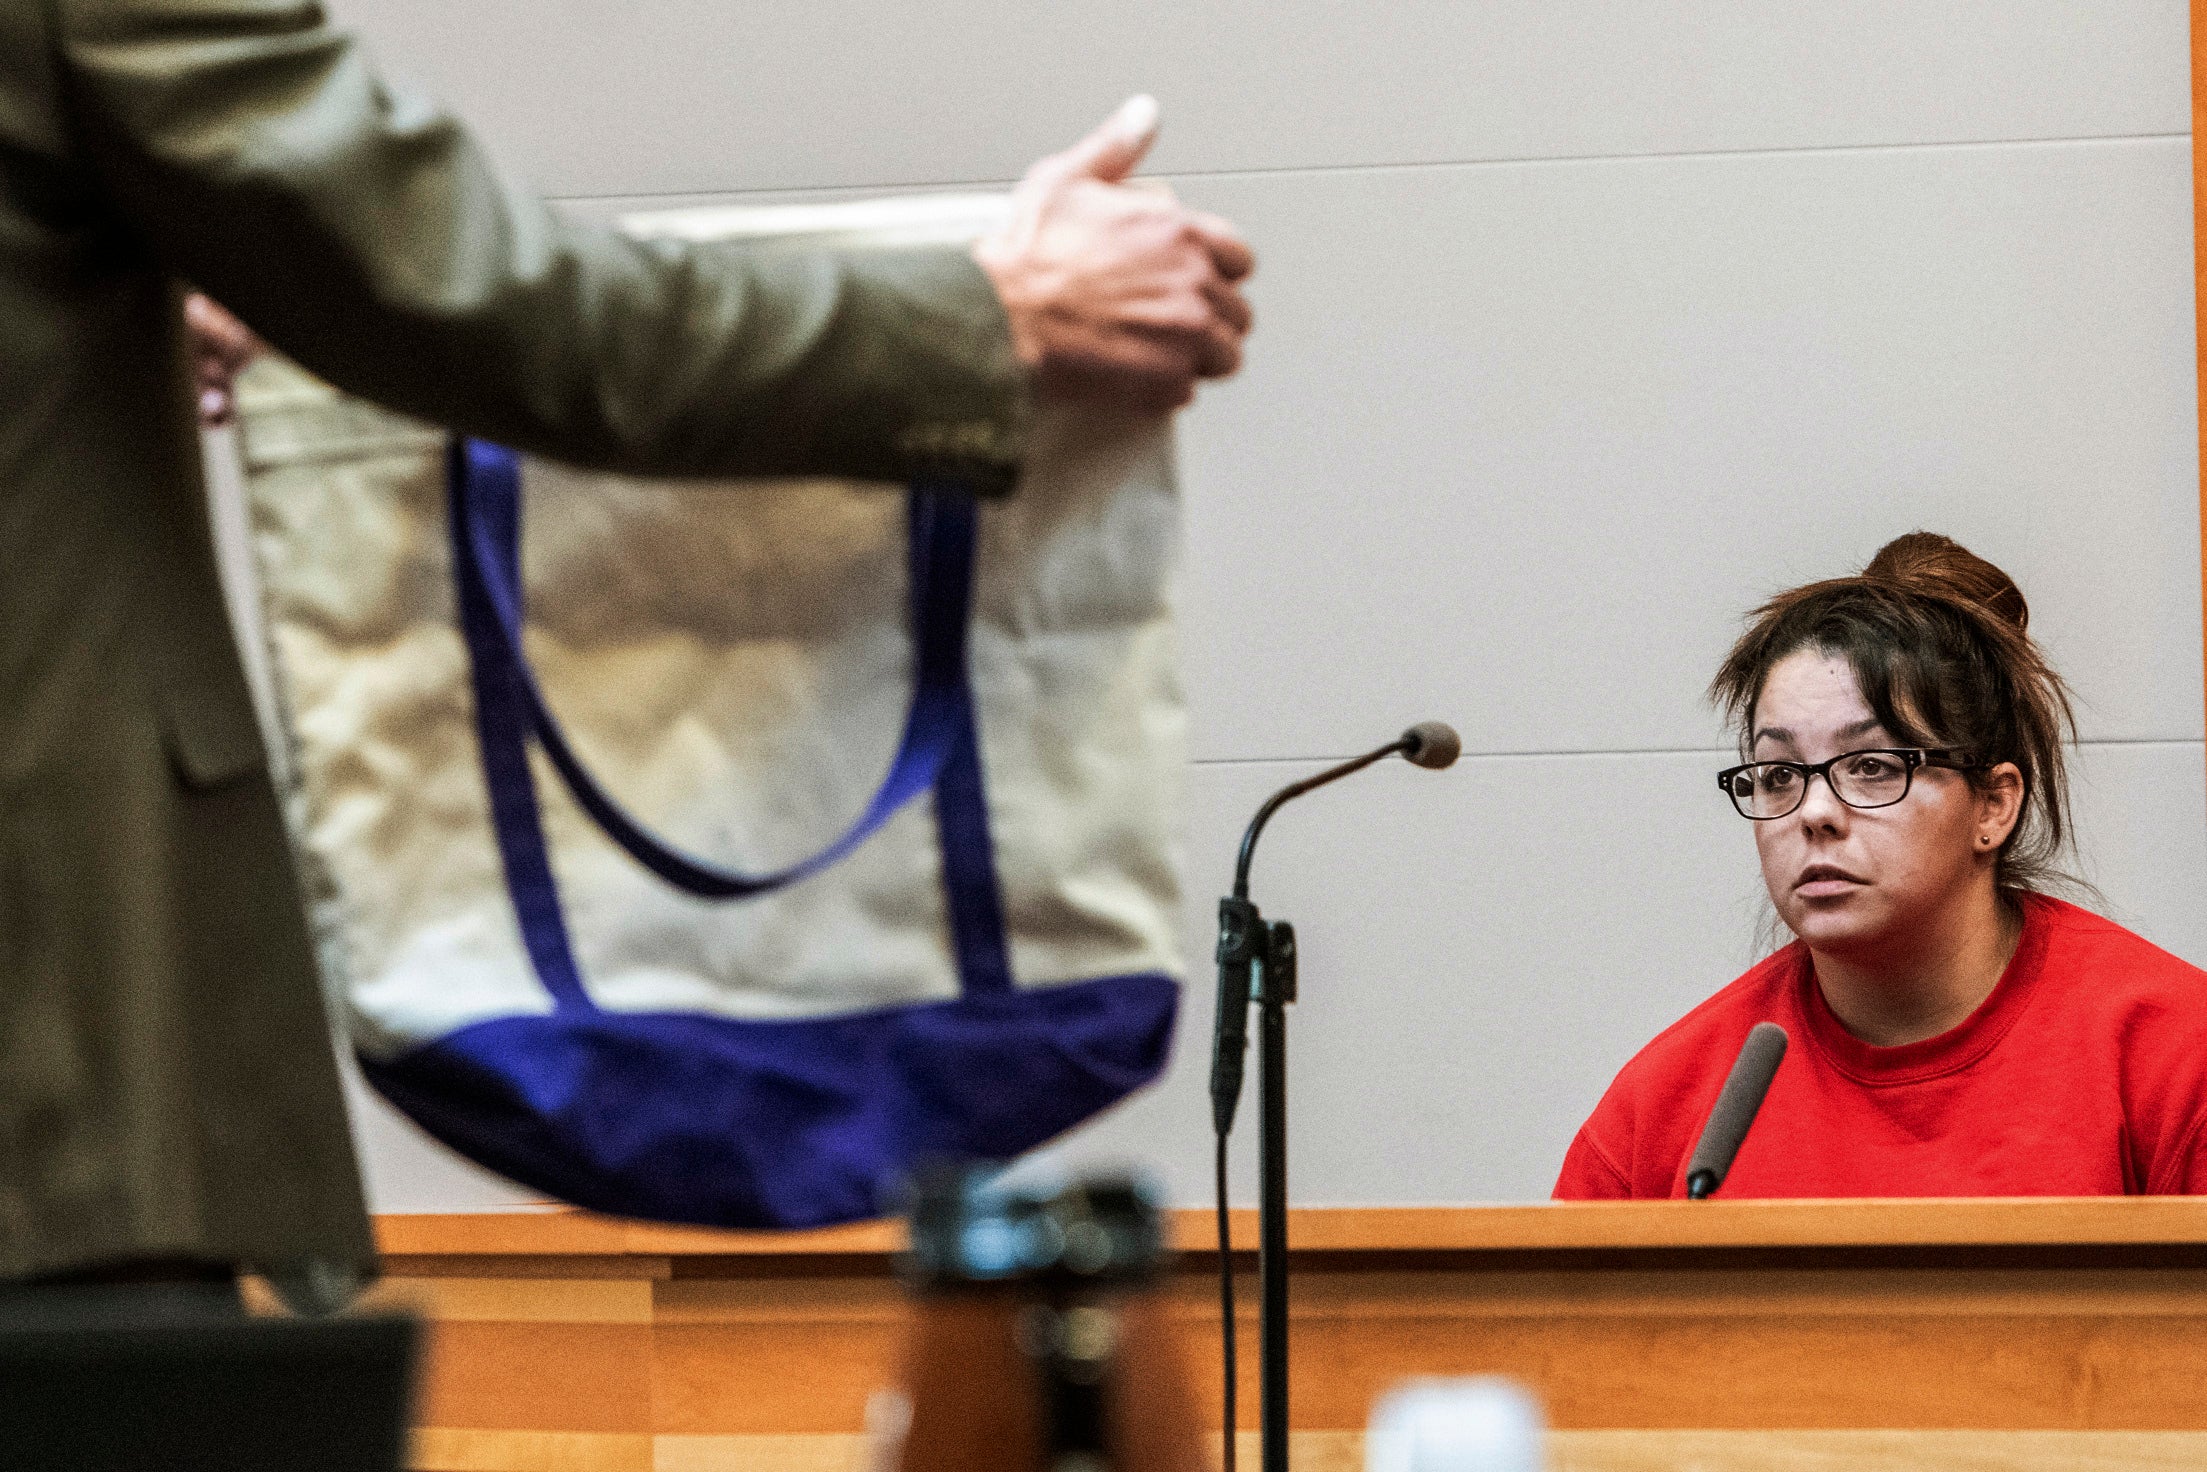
point(1835, 924)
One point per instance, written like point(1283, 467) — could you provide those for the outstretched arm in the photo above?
point(362, 230)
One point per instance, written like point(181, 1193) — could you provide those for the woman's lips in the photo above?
point(1821, 882)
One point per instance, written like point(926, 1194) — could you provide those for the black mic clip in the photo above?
point(1278, 961)
point(1249, 947)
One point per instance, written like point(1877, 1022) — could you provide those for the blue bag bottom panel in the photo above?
point(683, 1117)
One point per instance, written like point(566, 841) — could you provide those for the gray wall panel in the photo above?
point(2141, 839)
point(597, 97)
point(1517, 445)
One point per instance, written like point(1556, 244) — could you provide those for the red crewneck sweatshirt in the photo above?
point(2083, 1074)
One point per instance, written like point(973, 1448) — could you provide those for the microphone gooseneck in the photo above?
point(1429, 744)
point(1244, 938)
point(1737, 1103)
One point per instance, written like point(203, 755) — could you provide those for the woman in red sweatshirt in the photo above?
point(1955, 1031)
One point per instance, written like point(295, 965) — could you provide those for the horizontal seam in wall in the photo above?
point(1410, 166)
point(1809, 150)
point(1716, 752)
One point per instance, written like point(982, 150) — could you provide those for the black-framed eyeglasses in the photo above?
point(1874, 778)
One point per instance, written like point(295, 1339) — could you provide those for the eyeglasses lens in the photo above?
point(1862, 779)
point(1870, 779)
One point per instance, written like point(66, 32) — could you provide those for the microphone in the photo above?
point(1431, 744)
point(1245, 939)
point(1736, 1104)
point(1247, 945)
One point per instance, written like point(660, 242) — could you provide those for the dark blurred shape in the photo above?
point(177, 1380)
point(1040, 1341)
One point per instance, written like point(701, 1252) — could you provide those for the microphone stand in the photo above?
point(1256, 957)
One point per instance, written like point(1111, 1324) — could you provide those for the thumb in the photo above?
point(1111, 152)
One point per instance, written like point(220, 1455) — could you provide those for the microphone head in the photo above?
point(1431, 744)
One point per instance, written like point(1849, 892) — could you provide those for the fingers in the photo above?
point(1159, 367)
point(1218, 352)
point(217, 335)
point(1202, 322)
point(1229, 252)
point(1161, 348)
point(1232, 307)
point(1112, 151)
point(220, 346)
point(1116, 292)
point(1212, 350)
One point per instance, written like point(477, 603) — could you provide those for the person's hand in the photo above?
point(1117, 292)
point(221, 346)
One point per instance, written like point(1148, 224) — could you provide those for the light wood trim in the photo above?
point(556, 1232)
point(1951, 1222)
point(1343, 1451)
point(816, 1453)
point(539, 1376)
point(453, 1299)
point(859, 1238)
point(1579, 1225)
point(1855, 1451)
point(443, 1449)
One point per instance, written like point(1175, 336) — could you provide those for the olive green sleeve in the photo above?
point(363, 231)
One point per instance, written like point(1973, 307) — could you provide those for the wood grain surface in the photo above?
point(1970, 1334)
point(1343, 1451)
point(1602, 1225)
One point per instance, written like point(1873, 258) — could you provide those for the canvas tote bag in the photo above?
point(721, 852)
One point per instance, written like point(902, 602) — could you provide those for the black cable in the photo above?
point(1226, 1305)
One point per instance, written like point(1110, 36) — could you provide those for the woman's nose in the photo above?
point(1820, 806)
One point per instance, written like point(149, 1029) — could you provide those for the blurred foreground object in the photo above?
point(1041, 1340)
point(1484, 1424)
point(102, 1380)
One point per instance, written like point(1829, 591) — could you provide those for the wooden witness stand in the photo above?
point(1719, 1336)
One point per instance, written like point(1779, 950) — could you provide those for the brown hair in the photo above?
point(1938, 640)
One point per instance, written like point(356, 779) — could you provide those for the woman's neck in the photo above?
point(1926, 983)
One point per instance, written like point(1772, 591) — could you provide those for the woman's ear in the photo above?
point(1999, 805)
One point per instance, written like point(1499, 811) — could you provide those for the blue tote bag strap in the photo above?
point(938, 749)
point(486, 508)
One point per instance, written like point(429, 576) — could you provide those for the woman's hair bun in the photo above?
point(1926, 562)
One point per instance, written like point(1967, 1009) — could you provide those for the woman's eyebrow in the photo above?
point(1845, 733)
